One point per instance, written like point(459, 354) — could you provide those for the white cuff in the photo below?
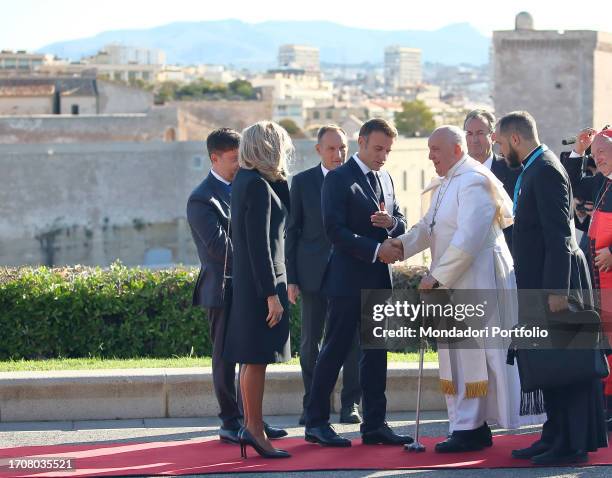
point(376, 253)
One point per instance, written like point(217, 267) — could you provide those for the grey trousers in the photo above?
point(314, 310)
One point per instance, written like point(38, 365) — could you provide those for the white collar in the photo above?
point(488, 162)
point(224, 181)
point(363, 166)
point(324, 170)
point(451, 172)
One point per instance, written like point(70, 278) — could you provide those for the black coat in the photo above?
point(586, 188)
point(307, 245)
point(208, 216)
point(348, 202)
point(259, 209)
point(546, 255)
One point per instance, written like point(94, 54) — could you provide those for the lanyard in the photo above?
point(539, 151)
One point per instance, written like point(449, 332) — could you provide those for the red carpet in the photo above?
point(211, 456)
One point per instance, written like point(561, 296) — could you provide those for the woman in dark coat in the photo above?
point(258, 327)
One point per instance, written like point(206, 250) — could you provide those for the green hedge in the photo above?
point(117, 312)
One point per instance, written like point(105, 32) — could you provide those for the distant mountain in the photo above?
point(256, 45)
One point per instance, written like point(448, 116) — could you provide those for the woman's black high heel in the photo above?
point(246, 439)
point(242, 443)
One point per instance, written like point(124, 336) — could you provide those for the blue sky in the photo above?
point(30, 24)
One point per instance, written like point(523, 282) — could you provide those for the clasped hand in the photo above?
point(391, 251)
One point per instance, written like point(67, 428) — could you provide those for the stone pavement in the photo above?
point(124, 431)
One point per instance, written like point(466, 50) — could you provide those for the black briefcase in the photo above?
point(570, 355)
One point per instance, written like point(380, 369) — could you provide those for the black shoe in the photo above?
point(536, 448)
point(350, 415)
point(460, 442)
point(302, 420)
point(383, 435)
point(484, 435)
point(247, 439)
point(325, 435)
point(552, 457)
point(229, 435)
point(273, 433)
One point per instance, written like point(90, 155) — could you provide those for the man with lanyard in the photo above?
point(547, 258)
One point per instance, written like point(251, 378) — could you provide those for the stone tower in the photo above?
point(564, 79)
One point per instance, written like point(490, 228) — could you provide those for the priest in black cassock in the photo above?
point(597, 227)
point(547, 258)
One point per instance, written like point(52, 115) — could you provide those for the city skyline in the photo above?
point(63, 20)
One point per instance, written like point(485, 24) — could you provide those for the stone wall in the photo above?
point(92, 203)
point(116, 98)
point(553, 75)
point(152, 126)
point(26, 105)
point(198, 118)
point(87, 105)
point(602, 91)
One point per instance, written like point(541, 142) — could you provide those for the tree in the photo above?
point(292, 128)
point(415, 119)
point(242, 88)
point(166, 92)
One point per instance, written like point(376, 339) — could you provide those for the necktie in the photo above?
point(229, 188)
point(375, 186)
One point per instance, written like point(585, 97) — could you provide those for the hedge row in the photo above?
point(118, 312)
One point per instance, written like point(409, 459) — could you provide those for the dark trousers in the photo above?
point(342, 322)
point(314, 310)
point(575, 417)
point(224, 373)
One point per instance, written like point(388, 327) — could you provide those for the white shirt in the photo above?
point(365, 170)
point(324, 170)
point(489, 162)
point(224, 181)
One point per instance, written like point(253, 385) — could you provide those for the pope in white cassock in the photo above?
point(463, 228)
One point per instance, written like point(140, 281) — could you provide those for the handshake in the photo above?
point(390, 251)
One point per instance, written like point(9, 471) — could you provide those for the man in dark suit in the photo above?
point(547, 258)
point(307, 252)
point(360, 213)
point(479, 127)
point(208, 216)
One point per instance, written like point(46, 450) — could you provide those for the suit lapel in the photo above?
point(219, 190)
point(279, 191)
point(319, 178)
point(363, 181)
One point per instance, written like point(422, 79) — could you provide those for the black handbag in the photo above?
point(541, 369)
point(571, 354)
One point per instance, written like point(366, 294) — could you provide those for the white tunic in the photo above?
point(469, 252)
